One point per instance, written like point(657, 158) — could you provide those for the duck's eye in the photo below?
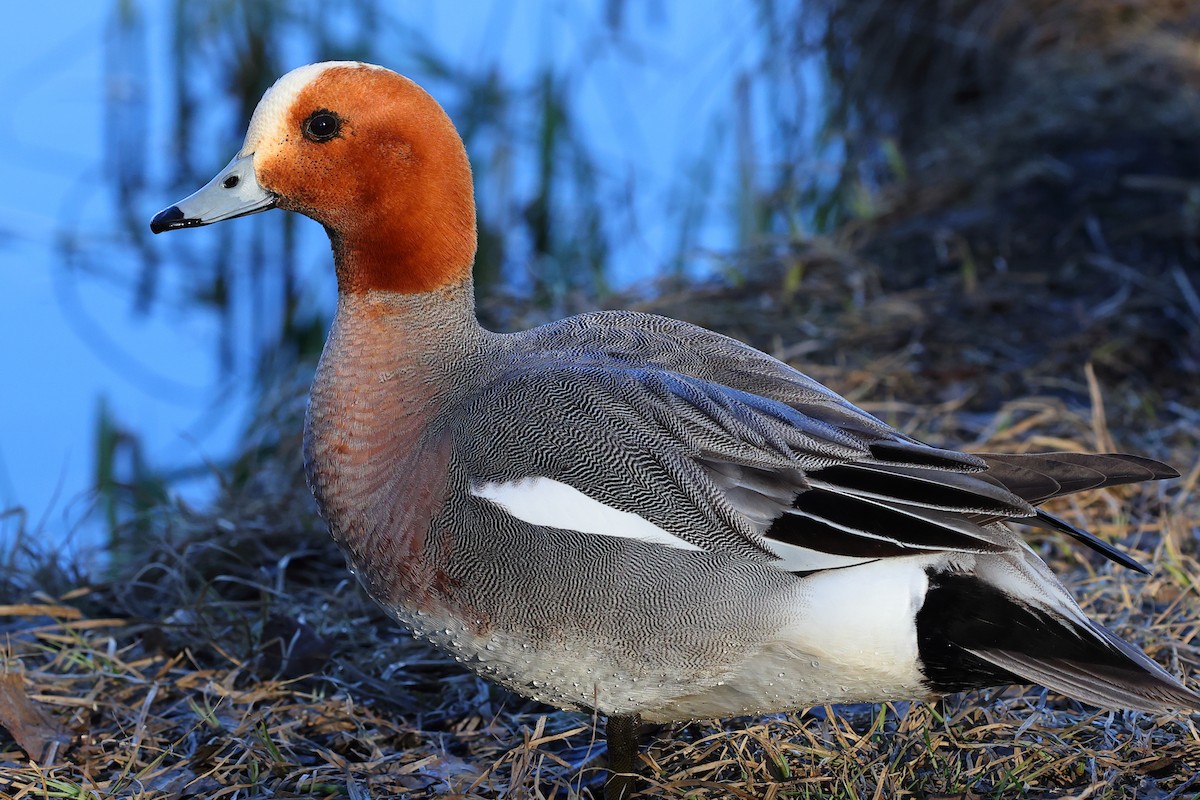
point(321, 126)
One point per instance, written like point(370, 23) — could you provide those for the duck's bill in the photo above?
point(235, 192)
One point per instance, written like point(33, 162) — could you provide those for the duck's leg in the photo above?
point(622, 735)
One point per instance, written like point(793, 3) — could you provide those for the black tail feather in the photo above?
point(972, 634)
point(1051, 522)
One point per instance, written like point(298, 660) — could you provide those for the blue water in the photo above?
point(656, 108)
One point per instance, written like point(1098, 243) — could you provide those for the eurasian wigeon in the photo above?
point(629, 514)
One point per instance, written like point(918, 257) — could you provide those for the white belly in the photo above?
point(853, 639)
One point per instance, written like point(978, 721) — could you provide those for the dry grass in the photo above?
point(237, 660)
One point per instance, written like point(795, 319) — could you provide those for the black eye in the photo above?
point(321, 126)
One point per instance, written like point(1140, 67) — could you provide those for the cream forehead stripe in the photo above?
point(271, 113)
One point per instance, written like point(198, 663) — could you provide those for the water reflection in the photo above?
point(602, 146)
point(1027, 199)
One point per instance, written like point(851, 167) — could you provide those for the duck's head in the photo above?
point(368, 154)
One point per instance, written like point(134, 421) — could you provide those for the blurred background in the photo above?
point(940, 207)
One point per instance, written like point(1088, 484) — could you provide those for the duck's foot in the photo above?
point(622, 735)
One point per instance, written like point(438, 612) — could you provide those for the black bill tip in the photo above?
point(171, 218)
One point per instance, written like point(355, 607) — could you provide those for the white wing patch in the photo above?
point(554, 504)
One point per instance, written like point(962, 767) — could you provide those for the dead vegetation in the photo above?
point(237, 659)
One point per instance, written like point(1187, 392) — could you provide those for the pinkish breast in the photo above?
point(376, 471)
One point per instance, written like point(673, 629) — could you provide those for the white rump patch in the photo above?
point(862, 622)
point(553, 504)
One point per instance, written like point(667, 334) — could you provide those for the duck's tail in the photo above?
point(1010, 621)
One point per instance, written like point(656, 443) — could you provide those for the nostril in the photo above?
point(230, 182)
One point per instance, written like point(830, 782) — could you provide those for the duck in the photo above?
point(629, 515)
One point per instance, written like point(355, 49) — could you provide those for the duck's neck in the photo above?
point(405, 331)
point(374, 454)
point(395, 253)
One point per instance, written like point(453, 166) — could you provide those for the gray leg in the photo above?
point(622, 734)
